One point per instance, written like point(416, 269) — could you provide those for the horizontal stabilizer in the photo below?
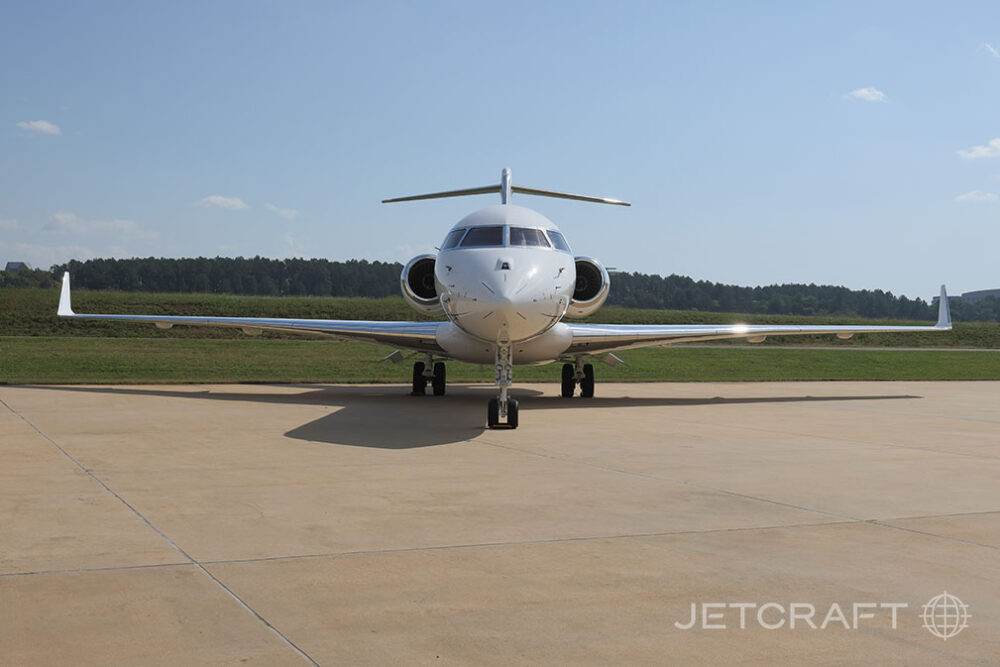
point(505, 187)
point(450, 193)
point(566, 195)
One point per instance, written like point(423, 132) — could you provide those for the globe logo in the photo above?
point(945, 616)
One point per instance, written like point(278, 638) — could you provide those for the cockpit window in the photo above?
point(558, 240)
point(522, 236)
point(452, 239)
point(483, 236)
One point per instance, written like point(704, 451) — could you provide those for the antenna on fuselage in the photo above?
point(506, 188)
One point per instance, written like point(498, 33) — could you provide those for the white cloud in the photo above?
point(293, 247)
point(43, 256)
point(991, 149)
point(990, 50)
point(868, 95)
point(218, 201)
point(70, 223)
point(286, 213)
point(8, 223)
point(39, 127)
point(978, 196)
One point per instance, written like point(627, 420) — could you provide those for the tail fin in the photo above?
point(505, 188)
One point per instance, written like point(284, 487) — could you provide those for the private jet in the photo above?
point(506, 280)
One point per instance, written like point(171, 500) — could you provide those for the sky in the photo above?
point(848, 143)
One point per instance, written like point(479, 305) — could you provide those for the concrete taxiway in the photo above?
point(355, 524)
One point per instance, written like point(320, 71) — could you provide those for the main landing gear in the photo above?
point(424, 372)
point(502, 410)
point(578, 373)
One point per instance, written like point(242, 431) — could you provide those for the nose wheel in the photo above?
point(493, 414)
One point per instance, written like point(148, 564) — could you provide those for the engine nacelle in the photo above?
point(592, 286)
point(417, 282)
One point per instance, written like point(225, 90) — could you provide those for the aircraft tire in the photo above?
point(493, 413)
point(439, 383)
point(419, 381)
point(568, 381)
point(587, 383)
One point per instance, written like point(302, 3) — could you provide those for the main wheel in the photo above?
point(568, 380)
point(587, 383)
point(438, 383)
point(493, 413)
point(419, 381)
point(511, 413)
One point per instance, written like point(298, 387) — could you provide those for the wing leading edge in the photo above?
point(420, 336)
point(592, 338)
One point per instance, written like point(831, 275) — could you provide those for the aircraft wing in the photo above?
point(419, 336)
point(597, 338)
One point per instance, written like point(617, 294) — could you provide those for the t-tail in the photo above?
point(506, 188)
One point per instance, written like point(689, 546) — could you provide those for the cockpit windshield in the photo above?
point(558, 240)
point(523, 236)
point(454, 236)
point(483, 236)
point(514, 237)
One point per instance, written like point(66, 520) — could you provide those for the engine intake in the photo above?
point(592, 286)
point(417, 282)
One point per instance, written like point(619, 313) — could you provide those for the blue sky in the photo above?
point(244, 128)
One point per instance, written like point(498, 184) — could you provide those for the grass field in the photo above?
point(37, 347)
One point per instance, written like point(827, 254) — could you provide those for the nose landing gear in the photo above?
point(502, 411)
point(578, 373)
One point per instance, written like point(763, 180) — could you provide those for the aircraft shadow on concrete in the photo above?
point(387, 417)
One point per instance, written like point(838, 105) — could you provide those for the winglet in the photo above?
point(944, 311)
point(65, 305)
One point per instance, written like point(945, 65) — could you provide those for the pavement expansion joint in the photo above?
point(159, 532)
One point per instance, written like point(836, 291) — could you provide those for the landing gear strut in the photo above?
point(424, 372)
point(578, 373)
point(502, 411)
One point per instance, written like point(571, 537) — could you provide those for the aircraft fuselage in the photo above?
point(505, 281)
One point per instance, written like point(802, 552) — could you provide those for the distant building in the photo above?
point(17, 266)
point(979, 295)
point(972, 297)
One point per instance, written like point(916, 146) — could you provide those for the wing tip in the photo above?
point(944, 310)
point(65, 299)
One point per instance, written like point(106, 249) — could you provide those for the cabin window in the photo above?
point(451, 241)
point(558, 240)
point(522, 236)
point(483, 236)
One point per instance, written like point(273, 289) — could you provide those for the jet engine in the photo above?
point(592, 285)
point(417, 282)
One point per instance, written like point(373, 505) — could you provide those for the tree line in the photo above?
point(321, 277)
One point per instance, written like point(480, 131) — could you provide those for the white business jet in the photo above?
point(505, 278)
